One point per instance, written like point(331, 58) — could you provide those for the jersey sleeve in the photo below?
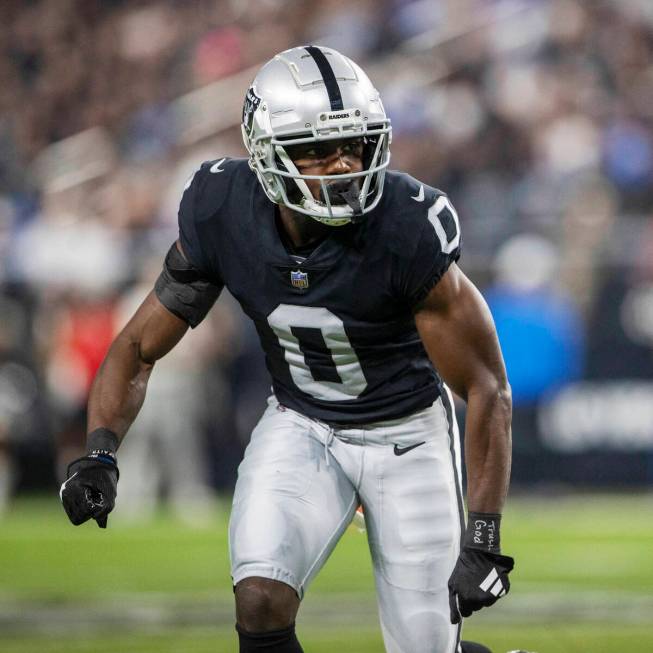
point(194, 220)
point(438, 246)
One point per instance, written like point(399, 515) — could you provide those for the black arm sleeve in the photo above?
point(184, 290)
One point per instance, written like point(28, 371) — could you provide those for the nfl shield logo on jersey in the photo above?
point(299, 279)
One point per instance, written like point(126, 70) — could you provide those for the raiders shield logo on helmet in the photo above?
point(251, 104)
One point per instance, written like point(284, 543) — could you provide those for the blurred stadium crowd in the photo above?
point(534, 116)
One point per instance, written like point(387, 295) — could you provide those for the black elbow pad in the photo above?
point(184, 290)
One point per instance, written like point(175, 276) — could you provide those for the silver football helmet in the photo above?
point(309, 94)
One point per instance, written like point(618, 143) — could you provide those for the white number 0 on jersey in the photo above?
point(352, 380)
point(442, 204)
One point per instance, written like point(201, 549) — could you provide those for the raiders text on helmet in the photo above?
point(309, 94)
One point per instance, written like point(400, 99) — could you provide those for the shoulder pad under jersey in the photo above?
point(424, 232)
point(206, 196)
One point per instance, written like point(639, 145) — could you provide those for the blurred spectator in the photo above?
point(628, 160)
point(218, 54)
point(79, 331)
point(589, 231)
point(351, 28)
point(20, 393)
point(540, 330)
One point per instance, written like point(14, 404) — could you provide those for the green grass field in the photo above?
point(583, 583)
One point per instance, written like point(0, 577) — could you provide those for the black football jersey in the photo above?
point(337, 328)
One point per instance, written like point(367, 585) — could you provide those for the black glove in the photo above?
point(89, 492)
point(480, 576)
point(478, 580)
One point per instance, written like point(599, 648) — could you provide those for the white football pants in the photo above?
point(300, 483)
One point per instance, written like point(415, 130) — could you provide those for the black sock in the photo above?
point(274, 641)
point(473, 647)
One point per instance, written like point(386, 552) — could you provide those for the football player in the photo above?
point(349, 273)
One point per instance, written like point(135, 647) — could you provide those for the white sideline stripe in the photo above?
point(137, 608)
point(491, 577)
point(497, 588)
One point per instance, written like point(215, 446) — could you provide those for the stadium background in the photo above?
point(534, 116)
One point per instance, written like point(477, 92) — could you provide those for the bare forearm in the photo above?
point(456, 327)
point(488, 449)
point(118, 390)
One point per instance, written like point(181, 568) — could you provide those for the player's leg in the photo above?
point(291, 505)
point(413, 512)
point(265, 616)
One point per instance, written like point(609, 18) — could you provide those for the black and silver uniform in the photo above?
point(337, 328)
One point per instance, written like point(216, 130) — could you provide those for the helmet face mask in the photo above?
point(290, 104)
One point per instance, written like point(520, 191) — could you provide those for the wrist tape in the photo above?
point(483, 532)
point(102, 443)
